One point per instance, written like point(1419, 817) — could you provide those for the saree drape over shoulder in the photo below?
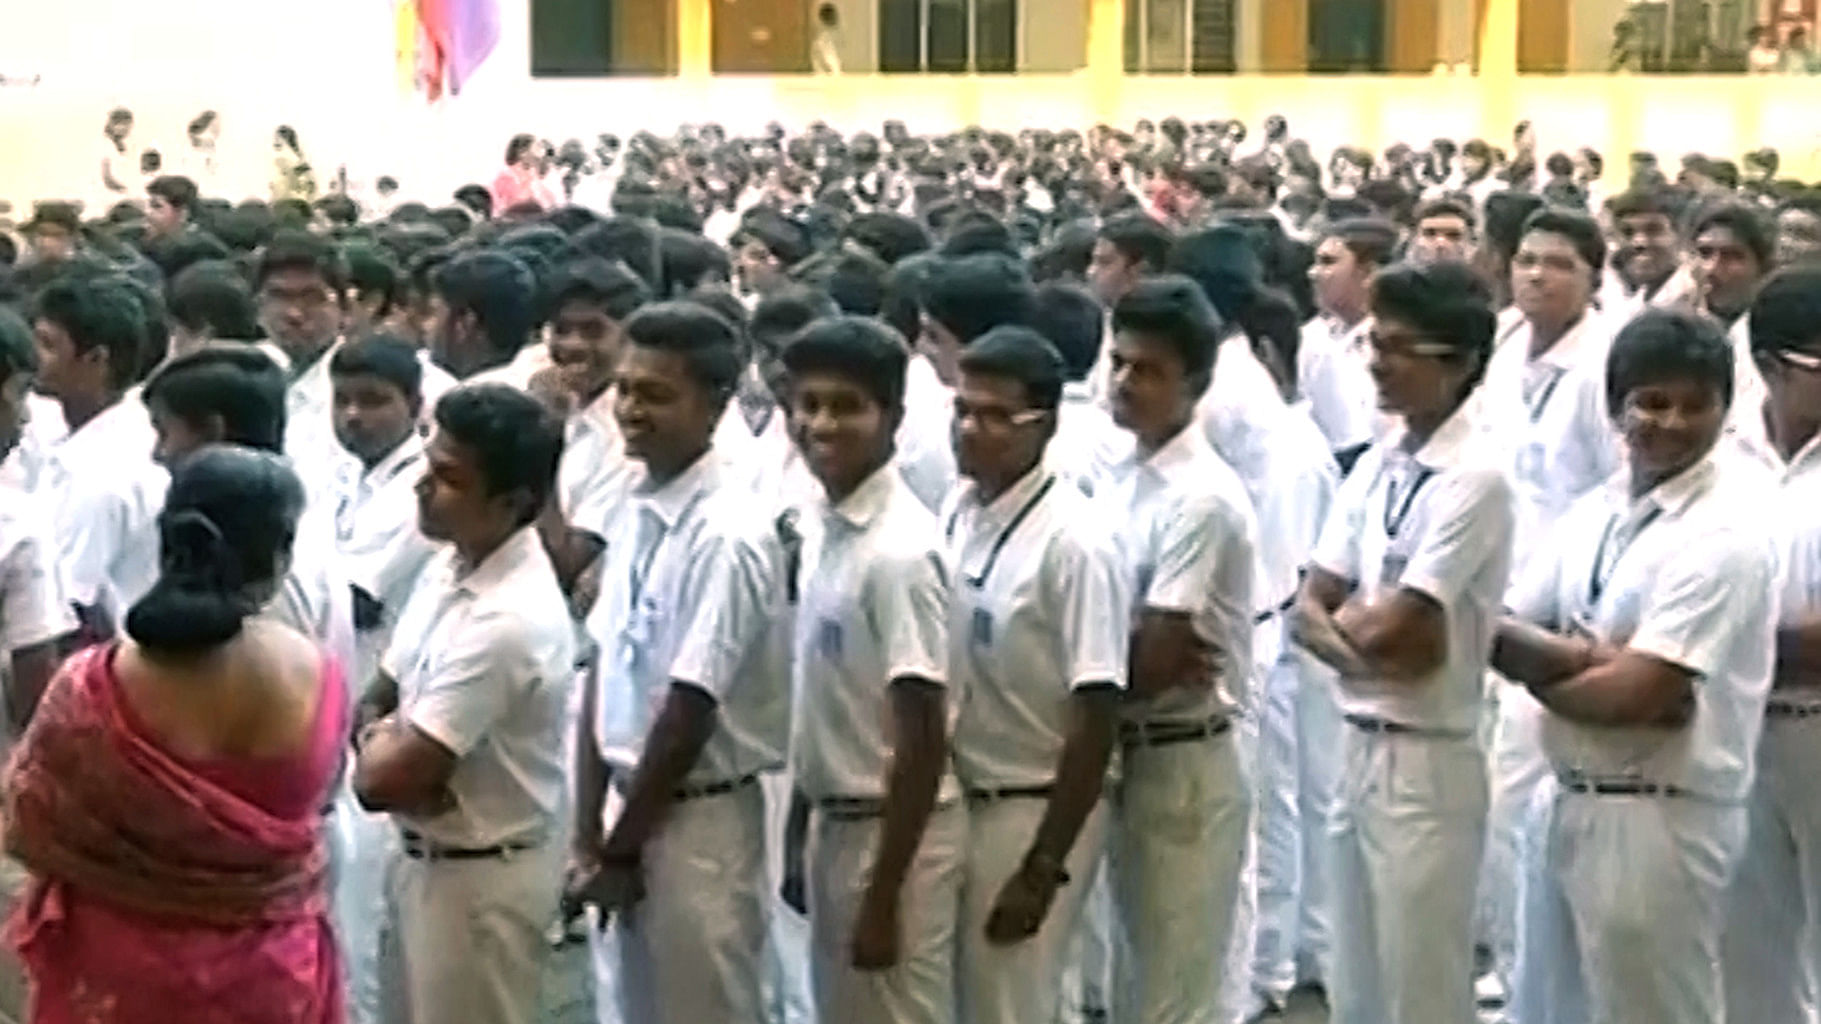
point(167, 889)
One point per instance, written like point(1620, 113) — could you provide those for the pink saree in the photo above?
point(158, 893)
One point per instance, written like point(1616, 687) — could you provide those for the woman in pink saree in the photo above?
point(166, 798)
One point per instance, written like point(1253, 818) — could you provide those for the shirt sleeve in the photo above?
point(91, 533)
point(908, 609)
point(32, 606)
point(472, 685)
point(1535, 594)
point(1093, 613)
point(727, 598)
point(1471, 522)
point(1195, 535)
point(1702, 599)
point(1337, 545)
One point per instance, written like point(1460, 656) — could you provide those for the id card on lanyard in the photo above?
point(1397, 513)
point(1614, 544)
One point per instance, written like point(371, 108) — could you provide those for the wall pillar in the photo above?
point(695, 39)
point(1106, 58)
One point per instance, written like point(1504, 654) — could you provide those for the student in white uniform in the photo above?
point(1732, 247)
point(689, 704)
point(1646, 267)
point(1401, 599)
point(1189, 544)
point(1772, 941)
point(301, 284)
point(590, 300)
point(483, 308)
point(1331, 362)
point(377, 384)
point(34, 613)
point(1542, 406)
point(878, 826)
point(462, 740)
point(103, 489)
point(1647, 629)
point(1039, 648)
point(1087, 441)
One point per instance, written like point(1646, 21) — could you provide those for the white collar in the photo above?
point(671, 501)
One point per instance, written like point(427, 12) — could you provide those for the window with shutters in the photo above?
point(1179, 36)
point(948, 36)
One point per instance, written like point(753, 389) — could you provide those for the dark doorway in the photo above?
point(1346, 35)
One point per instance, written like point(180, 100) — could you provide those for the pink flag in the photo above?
point(462, 33)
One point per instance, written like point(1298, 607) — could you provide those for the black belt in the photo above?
point(992, 796)
point(417, 847)
point(1270, 613)
point(708, 789)
point(1618, 787)
point(1783, 709)
point(850, 808)
point(1163, 734)
point(1386, 727)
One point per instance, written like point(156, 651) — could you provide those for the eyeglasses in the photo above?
point(995, 419)
point(1408, 346)
point(1796, 359)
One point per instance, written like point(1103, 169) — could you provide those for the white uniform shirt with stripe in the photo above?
point(484, 663)
point(1689, 574)
point(1189, 543)
point(1546, 415)
point(1036, 614)
point(693, 591)
point(874, 608)
point(1438, 522)
point(106, 494)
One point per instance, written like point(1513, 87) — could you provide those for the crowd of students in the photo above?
point(980, 578)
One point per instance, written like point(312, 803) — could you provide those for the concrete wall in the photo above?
point(1590, 32)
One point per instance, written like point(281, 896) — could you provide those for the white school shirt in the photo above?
point(693, 591)
point(767, 464)
point(1619, 302)
point(1438, 522)
point(1189, 543)
point(1036, 614)
point(484, 663)
point(378, 541)
point(1087, 441)
point(1797, 527)
point(1286, 466)
point(1748, 389)
point(310, 429)
point(926, 457)
point(1689, 574)
point(873, 608)
point(33, 608)
point(106, 493)
point(313, 598)
point(23, 468)
point(592, 475)
point(1546, 415)
point(436, 383)
point(1333, 373)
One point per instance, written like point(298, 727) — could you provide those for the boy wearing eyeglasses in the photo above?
point(1647, 629)
point(1039, 649)
point(1400, 600)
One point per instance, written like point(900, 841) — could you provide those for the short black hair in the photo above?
point(174, 189)
point(787, 311)
point(1140, 239)
point(611, 285)
point(18, 352)
point(518, 145)
point(475, 198)
point(372, 272)
point(1445, 208)
point(1174, 309)
point(971, 295)
point(1662, 345)
point(388, 357)
point(903, 302)
point(1447, 301)
point(631, 240)
point(853, 277)
point(516, 440)
point(1582, 232)
point(706, 342)
point(98, 312)
point(213, 296)
point(890, 236)
point(239, 383)
point(857, 348)
point(1072, 319)
point(1021, 354)
point(1750, 226)
point(498, 289)
point(1637, 201)
point(300, 250)
point(339, 210)
point(688, 258)
point(1370, 240)
point(1786, 313)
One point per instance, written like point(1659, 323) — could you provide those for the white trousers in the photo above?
point(1183, 817)
point(1087, 977)
point(1772, 944)
point(786, 977)
point(1623, 903)
point(362, 845)
point(691, 952)
point(1020, 983)
point(1518, 769)
point(1406, 839)
point(465, 940)
point(920, 989)
point(1299, 765)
